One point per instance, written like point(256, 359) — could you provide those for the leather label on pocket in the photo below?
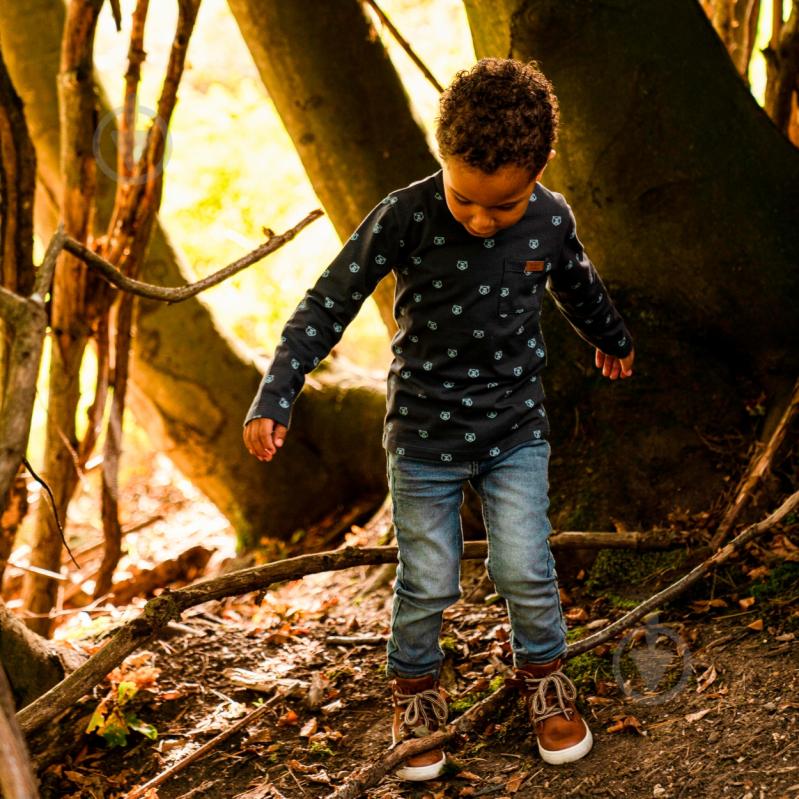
point(534, 266)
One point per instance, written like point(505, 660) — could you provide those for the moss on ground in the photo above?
point(463, 703)
point(586, 669)
point(782, 581)
point(619, 568)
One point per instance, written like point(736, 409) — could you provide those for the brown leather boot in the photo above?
point(562, 734)
point(420, 708)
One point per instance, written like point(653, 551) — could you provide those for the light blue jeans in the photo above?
point(426, 500)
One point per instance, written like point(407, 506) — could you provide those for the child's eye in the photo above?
point(507, 207)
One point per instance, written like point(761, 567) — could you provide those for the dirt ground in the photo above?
point(701, 701)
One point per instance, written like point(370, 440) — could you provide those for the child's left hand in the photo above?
point(614, 367)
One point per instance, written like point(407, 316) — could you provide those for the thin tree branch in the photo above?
point(403, 43)
point(758, 466)
point(181, 293)
point(127, 126)
point(44, 274)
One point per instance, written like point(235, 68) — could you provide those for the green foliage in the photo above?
point(449, 644)
point(320, 750)
point(113, 720)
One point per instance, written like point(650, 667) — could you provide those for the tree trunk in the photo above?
point(33, 664)
point(17, 186)
point(685, 196)
point(16, 774)
point(343, 106)
point(191, 383)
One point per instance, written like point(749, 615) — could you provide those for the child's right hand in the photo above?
point(262, 437)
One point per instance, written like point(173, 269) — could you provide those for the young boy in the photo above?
point(473, 247)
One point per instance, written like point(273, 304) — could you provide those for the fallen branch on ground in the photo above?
point(158, 612)
point(369, 775)
point(758, 466)
point(197, 753)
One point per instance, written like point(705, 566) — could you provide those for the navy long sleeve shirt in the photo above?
point(465, 382)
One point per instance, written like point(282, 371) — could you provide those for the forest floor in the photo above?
point(701, 701)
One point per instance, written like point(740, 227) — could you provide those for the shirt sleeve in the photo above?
point(318, 322)
point(582, 298)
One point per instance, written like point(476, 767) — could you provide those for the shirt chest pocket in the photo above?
point(521, 286)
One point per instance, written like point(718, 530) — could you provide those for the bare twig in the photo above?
point(758, 466)
point(403, 43)
point(206, 747)
point(355, 640)
point(180, 293)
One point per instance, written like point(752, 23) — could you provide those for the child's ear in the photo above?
point(551, 155)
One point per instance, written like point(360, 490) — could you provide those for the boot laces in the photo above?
point(416, 719)
point(556, 683)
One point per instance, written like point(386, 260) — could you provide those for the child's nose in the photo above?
point(481, 222)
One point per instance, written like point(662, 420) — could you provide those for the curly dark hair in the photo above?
point(501, 111)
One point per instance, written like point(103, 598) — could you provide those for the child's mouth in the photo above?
point(482, 234)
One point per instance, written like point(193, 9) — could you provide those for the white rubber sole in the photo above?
point(420, 773)
point(557, 756)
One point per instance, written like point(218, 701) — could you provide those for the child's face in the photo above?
point(485, 204)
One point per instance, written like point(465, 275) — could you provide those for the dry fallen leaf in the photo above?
point(758, 572)
point(698, 715)
point(309, 728)
point(469, 775)
point(598, 700)
point(577, 614)
point(704, 605)
point(626, 724)
point(706, 678)
point(301, 767)
point(756, 625)
point(515, 782)
point(746, 602)
point(289, 717)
